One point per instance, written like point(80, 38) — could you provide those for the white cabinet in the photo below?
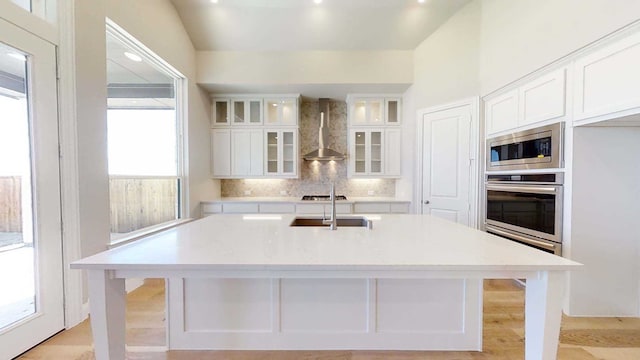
point(243, 146)
point(374, 111)
point(236, 153)
point(375, 139)
point(281, 111)
point(366, 111)
point(221, 110)
point(501, 113)
point(542, 99)
point(246, 111)
point(375, 152)
point(317, 209)
point(381, 208)
point(281, 152)
point(247, 153)
point(220, 155)
point(607, 81)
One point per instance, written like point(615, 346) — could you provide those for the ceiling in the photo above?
point(301, 25)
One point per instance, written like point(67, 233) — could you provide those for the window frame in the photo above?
point(180, 90)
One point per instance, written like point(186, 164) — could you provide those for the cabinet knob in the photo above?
point(426, 202)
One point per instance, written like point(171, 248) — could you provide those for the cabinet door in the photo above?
point(367, 152)
point(542, 99)
point(358, 158)
point(393, 111)
point(607, 80)
point(246, 112)
point(246, 152)
point(376, 152)
point(281, 111)
point(501, 113)
point(221, 112)
point(392, 152)
point(281, 152)
point(220, 152)
point(364, 111)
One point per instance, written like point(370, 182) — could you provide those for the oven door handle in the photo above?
point(524, 189)
point(523, 239)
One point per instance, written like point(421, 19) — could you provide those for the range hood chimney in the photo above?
point(323, 153)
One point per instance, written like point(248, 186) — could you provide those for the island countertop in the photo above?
point(267, 242)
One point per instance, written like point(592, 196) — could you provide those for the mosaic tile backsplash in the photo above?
point(315, 177)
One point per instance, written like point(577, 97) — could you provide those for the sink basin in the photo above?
point(342, 222)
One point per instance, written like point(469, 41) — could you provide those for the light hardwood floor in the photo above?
point(580, 338)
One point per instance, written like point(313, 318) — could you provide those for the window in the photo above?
point(144, 138)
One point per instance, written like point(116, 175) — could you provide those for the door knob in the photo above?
point(426, 202)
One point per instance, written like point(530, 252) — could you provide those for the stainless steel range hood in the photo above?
point(324, 153)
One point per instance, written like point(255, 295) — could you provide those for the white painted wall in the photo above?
point(305, 67)
point(518, 37)
point(606, 189)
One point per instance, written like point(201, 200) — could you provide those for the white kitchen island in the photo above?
point(254, 282)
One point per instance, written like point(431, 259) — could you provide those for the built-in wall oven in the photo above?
point(526, 208)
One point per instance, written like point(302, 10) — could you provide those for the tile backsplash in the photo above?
point(315, 177)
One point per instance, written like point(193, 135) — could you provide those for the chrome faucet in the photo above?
point(333, 221)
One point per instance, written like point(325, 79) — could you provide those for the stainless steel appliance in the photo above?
point(526, 208)
point(530, 149)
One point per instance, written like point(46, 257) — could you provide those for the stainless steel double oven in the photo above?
point(526, 206)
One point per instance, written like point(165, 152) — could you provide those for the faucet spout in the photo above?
point(333, 221)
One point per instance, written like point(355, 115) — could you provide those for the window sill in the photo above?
point(122, 239)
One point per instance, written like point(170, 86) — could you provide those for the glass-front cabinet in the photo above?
point(246, 111)
point(367, 112)
point(221, 112)
point(281, 152)
point(367, 148)
point(281, 111)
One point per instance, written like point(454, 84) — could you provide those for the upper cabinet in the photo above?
point(254, 136)
point(607, 81)
point(542, 99)
point(281, 111)
point(375, 139)
point(367, 110)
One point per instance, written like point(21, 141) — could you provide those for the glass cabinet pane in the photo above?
point(288, 156)
point(222, 112)
point(360, 152)
point(392, 111)
point(288, 112)
point(271, 112)
point(254, 112)
point(272, 152)
point(376, 151)
point(238, 112)
point(375, 111)
point(359, 112)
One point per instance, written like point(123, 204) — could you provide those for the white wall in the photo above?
point(606, 189)
point(518, 37)
point(305, 67)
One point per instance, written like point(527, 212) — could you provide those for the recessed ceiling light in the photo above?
point(132, 56)
point(421, 1)
point(317, 1)
point(214, 1)
point(17, 56)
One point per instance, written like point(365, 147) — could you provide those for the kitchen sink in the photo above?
point(356, 221)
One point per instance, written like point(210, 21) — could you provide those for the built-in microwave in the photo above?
point(530, 149)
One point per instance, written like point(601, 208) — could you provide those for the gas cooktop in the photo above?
point(322, 197)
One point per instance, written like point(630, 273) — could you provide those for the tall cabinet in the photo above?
point(254, 136)
point(374, 136)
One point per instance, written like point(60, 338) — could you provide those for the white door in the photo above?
point(31, 295)
point(446, 164)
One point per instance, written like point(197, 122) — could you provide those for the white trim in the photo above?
point(475, 155)
point(181, 96)
point(29, 22)
point(72, 244)
point(121, 239)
